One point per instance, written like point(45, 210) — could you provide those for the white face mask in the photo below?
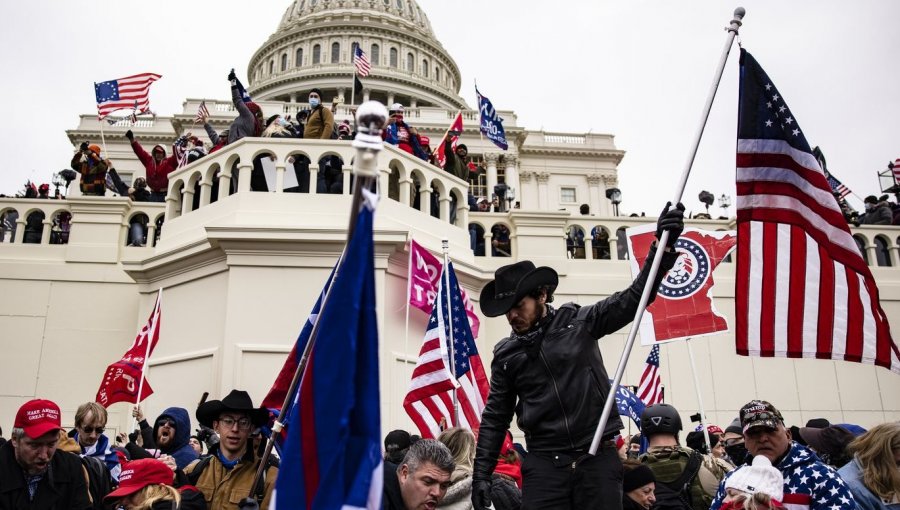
point(313, 102)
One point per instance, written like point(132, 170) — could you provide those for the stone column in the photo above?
point(45, 231)
point(405, 187)
point(19, 238)
point(205, 192)
point(413, 103)
point(488, 247)
point(593, 200)
point(366, 93)
point(293, 97)
point(543, 194)
point(151, 233)
point(390, 100)
point(512, 176)
point(873, 256)
point(462, 215)
point(244, 171)
point(224, 183)
point(425, 199)
point(490, 158)
point(187, 199)
point(279, 177)
point(340, 94)
point(444, 213)
point(172, 209)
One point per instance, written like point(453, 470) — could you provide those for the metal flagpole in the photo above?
point(103, 140)
point(699, 396)
point(353, 85)
point(445, 246)
point(654, 267)
point(371, 119)
point(154, 324)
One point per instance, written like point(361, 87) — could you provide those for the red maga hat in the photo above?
point(38, 417)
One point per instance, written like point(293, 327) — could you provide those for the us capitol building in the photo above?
point(241, 271)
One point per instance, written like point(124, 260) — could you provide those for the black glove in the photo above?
point(83, 147)
point(481, 494)
point(232, 76)
point(248, 504)
point(129, 135)
point(671, 220)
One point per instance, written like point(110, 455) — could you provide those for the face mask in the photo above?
point(737, 453)
point(869, 207)
point(314, 102)
point(282, 122)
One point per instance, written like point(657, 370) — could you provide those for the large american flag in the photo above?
point(430, 399)
point(650, 388)
point(802, 289)
point(361, 61)
point(837, 186)
point(895, 167)
point(128, 92)
point(202, 113)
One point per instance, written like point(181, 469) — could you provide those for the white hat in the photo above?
point(396, 107)
point(758, 477)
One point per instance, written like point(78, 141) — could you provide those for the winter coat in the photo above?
point(101, 451)
point(881, 214)
point(557, 383)
point(157, 173)
point(852, 475)
point(245, 124)
point(181, 449)
point(63, 487)
point(505, 494)
point(223, 488)
point(93, 173)
point(392, 498)
point(454, 164)
point(319, 124)
point(392, 137)
point(459, 494)
point(809, 483)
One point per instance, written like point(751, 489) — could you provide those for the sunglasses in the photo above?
point(164, 422)
point(91, 430)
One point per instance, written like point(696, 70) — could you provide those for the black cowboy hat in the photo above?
point(511, 283)
point(237, 401)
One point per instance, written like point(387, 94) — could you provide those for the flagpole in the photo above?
point(445, 246)
point(654, 267)
point(371, 117)
point(408, 297)
point(103, 140)
point(151, 334)
point(353, 84)
point(699, 395)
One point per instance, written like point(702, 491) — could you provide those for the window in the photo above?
point(861, 244)
point(317, 54)
point(400, 4)
point(299, 60)
point(567, 195)
point(882, 252)
point(271, 66)
point(410, 62)
point(425, 68)
point(393, 61)
point(284, 62)
point(353, 47)
point(437, 73)
point(335, 52)
point(376, 55)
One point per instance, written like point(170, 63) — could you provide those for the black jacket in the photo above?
point(62, 488)
point(392, 499)
point(557, 386)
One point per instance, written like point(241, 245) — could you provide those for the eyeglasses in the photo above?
point(164, 422)
point(91, 430)
point(243, 423)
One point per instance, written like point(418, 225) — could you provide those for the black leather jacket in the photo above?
point(558, 385)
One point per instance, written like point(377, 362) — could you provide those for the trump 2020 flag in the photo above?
point(424, 276)
point(332, 456)
point(684, 305)
point(629, 404)
point(491, 123)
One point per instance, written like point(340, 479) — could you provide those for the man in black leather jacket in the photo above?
point(549, 371)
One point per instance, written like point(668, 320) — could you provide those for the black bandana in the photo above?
point(531, 339)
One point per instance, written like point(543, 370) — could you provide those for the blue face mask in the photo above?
point(314, 102)
point(282, 122)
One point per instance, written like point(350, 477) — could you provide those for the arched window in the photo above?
point(882, 252)
point(317, 54)
point(335, 52)
point(394, 58)
point(284, 62)
point(437, 73)
point(298, 61)
point(425, 68)
point(271, 66)
point(353, 47)
point(861, 244)
point(575, 242)
point(410, 62)
point(476, 239)
point(600, 243)
point(376, 55)
point(500, 242)
point(400, 4)
point(621, 246)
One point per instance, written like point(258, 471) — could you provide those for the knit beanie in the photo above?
point(637, 477)
point(759, 477)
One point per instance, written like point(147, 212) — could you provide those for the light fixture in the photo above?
point(615, 196)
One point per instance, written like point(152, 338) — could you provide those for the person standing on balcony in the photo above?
point(250, 120)
point(403, 135)
point(92, 168)
point(158, 167)
point(320, 122)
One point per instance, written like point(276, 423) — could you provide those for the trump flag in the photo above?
point(424, 277)
point(684, 306)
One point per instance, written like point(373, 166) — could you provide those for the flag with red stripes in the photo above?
point(447, 390)
point(650, 388)
point(202, 113)
point(128, 92)
point(895, 167)
point(361, 61)
point(456, 127)
point(802, 289)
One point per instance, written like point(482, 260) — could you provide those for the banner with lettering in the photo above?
point(491, 123)
point(425, 273)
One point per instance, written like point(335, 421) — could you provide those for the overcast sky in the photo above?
point(638, 69)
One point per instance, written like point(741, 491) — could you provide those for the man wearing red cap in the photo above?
point(33, 474)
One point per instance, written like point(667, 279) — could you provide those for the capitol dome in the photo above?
point(314, 46)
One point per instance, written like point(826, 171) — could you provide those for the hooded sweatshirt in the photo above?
point(157, 173)
point(180, 449)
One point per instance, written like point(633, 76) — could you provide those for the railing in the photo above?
point(564, 139)
point(34, 221)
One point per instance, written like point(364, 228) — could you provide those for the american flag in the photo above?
point(837, 186)
point(202, 112)
point(128, 92)
point(430, 399)
point(361, 61)
point(895, 167)
point(650, 388)
point(802, 289)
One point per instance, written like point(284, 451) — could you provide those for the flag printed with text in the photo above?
point(650, 387)
point(425, 271)
point(430, 401)
point(128, 92)
point(332, 456)
point(684, 306)
point(801, 287)
point(456, 127)
point(122, 379)
point(491, 122)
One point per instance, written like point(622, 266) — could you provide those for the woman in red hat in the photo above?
point(146, 484)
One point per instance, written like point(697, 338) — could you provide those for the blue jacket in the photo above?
point(865, 499)
point(391, 137)
point(181, 449)
point(808, 483)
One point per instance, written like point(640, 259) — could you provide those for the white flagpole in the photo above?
point(154, 323)
point(699, 395)
point(445, 246)
point(408, 297)
point(654, 267)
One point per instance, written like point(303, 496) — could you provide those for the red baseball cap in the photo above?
point(140, 473)
point(37, 417)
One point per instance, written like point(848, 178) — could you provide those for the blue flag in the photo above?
point(491, 123)
point(332, 456)
point(629, 405)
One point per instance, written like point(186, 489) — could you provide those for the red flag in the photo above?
point(122, 380)
point(425, 274)
point(895, 167)
point(683, 307)
point(456, 126)
point(650, 388)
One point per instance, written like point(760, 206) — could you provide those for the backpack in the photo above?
point(99, 480)
point(676, 495)
point(260, 491)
